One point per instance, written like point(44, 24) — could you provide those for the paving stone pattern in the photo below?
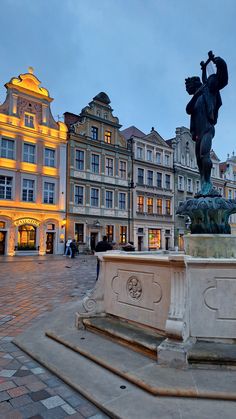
point(29, 289)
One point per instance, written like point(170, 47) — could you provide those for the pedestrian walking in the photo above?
point(68, 251)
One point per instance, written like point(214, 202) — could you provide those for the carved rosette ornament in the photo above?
point(134, 288)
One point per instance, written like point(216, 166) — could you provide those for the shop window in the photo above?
point(154, 239)
point(26, 237)
point(79, 232)
point(123, 234)
point(110, 233)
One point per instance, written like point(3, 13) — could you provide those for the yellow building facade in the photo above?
point(32, 171)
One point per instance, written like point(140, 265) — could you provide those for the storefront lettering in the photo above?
point(23, 221)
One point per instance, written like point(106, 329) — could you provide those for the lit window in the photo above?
point(109, 199)
point(49, 157)
point(150, 205)
point(122, 201)
point(139, 153)
point(167, 182)
point(123, 234)
point(107, 137)
point(28, 190)
point(29, 120)
point(94, 133)
point(122, 169)
point(94, 197)
point(79, 160)
point(95, 163)
point(159, 206)
point(79, 195)
point(49, 193)
point(110, 233)
point(150, 178)
point(168, 206)
point(149, 155)
point(140, 204)
point(5, 187)
point(7, 148)
point(140, 176)
point(154, 239)
point(159, 180)
point(109, 166)
point(29, 153)
point(79, 233)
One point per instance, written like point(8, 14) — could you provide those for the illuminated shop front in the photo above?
point(154, 239)
point(26, 237)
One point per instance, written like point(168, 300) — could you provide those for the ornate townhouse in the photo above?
point(228, 174)
point(153, 186)
point(32, 171)
point(187, 179)
point(98, 167)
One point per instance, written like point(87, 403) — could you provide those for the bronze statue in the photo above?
point(203, 108)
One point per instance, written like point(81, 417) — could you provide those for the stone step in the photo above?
point(139, 338)
point(212, 353)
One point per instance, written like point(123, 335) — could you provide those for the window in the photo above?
point(107, 137)
point(150, 178)
point(94, 197)
point(149, 155)
point(168, 206)
point(95, 163)
point(123, 234)
point(7, 148)
point(154, 239)
point(29, 153)
point(158, 158)
point(94, 133)
point(189, 185)
point(122, 201)
point(109, 199)
point(230, 194)
point(5, 187)
point(220, 191)
point(197, 185)
point(49, 157)
point(109, 166)
point(180, 183)
point(167, 159)
point(110, 233)
point(29, 120)
point(139, 153)
point(50, 226)
point(140, 176)
point(150, 205)
point(79, 195)
point(140, 204)
point(28, 190)
point(49, 193)
point(159, 180)
point(105, 115)
point(79, 233)
point(167, 181)
point(213, 171)
point(79, 159)
point(122, 169)
point(159, 206)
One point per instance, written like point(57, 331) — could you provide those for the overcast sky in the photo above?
point(137, 51)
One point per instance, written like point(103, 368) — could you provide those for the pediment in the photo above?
point(155, 138)
point(28, 81)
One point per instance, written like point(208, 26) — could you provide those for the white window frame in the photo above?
point(180, 183)
point(84, 158)
point(167, 159)
point(31, 117)
point(95, 206)
point(112, 199)
point(166, 174)
point(48, 192)
point(108, 167)
point(189, 185)
point(78, 186)
point(125, 195)
point(158, 153)
point(28, 189)
point(5, 186)
point(8, 150)
point(123, 173)
point(151, 154)
point(51, 161)
point(91, 160)
point(28, 155)
point(139, 153)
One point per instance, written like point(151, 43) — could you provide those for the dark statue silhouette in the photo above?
point(203, 108)
point(209, 211)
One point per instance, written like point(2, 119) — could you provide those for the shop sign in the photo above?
point(23, 221)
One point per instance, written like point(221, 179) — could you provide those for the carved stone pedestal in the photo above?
point(210, 245)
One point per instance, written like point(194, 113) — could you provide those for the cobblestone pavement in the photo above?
point(29, 288)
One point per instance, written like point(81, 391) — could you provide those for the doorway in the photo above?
point(27, 237)
point(49, 243)
point(140, 243)
point(2, 242)
point(167, 239)
point(93, 240)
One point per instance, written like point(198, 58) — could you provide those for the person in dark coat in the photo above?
point(73, 248)
point(102, 246)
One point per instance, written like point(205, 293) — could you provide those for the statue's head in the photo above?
point(192, 84)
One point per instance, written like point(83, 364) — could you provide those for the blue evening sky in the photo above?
point(137, 51)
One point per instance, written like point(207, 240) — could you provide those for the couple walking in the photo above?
point(71, 248)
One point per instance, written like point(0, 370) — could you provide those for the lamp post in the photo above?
point(130, 188)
